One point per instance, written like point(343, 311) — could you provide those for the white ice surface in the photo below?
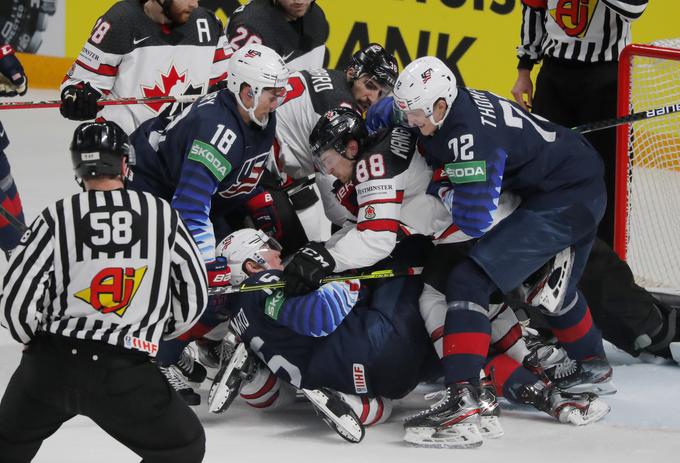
point(643, 427)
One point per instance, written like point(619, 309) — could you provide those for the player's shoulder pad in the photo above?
point(397, 146)
point(121, 18)
point(212, 18)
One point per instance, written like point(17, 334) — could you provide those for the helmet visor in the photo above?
point(410, 118)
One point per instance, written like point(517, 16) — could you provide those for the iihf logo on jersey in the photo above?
point(112, 289)
point(252, 54)
point(427, 75)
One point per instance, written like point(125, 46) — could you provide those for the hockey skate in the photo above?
point(453, 422)
point(572, 408)
point(590, 375)
point(489, 411)
point(242, 366)
point(336, 413)
point(179, 375)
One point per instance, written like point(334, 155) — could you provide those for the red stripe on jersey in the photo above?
point(6, 50)
point(266, 404)
point(500, 369)
point(365, 409)
point(450, 230)
point(536, 3)
point(437, 334)
point(379, 413)
point(379, 225)
point(509, 340)
point(271, 381)
point(221, 55)
point(466, 343)
point(576, 332)
point(398, 199)
point(438, 175)
point(102, 70)
point(217, 79)
point(13, 206)
point(195, 332)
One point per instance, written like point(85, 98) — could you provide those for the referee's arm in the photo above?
point(532, 33)
point(26, 280)
point(189, 283)
point(629, 10)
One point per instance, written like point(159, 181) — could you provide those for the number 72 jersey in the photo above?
point(488, 145)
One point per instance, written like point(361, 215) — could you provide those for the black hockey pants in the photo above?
point(122, 392)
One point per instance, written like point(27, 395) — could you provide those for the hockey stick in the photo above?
point(387, 273)
point(607, 123)
point(13, 221)
point(111, 102)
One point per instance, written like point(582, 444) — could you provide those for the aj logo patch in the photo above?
point(112, 289)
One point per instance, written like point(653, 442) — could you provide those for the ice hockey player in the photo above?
point(217, 148)
point(370, 75)
point(97, 281)
point(13, 82)
point(387, 196)
point(487, 145)
point(145, 48)
point(296, 29)
point(339, 338)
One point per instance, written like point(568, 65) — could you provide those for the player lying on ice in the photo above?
point(340, 131)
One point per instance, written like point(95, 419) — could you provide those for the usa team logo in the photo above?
point(427, 75)
point(252, 54)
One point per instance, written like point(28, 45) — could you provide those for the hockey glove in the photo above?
point(13, 80)
point(380, 115)
point(309, 266)
point(264, 214)
point(79, 102)
point(219, 272)
point(440, 187)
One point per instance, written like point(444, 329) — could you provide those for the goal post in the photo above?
point(647, 209)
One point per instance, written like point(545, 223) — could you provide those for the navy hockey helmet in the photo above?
point(97, 148)
point(334, 130)
point(375, 61)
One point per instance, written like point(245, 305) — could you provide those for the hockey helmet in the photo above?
point(376, 62)
point(334, 130)
point(261, 68)
point(97, 149)
point(242, 246)
point(419, 86)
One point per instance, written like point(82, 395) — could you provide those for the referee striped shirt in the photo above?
point(588, 31)
point(113, 266)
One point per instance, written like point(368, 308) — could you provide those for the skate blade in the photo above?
point(348, 426)
point(221, 394)
point(675, 351)
point(490, 427)
point(597, 410)
point(458, 436)
point(603, 388)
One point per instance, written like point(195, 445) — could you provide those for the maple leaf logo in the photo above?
point(168, 82)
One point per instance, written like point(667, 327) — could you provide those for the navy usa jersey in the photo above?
point(208, 153)
point(488, 144)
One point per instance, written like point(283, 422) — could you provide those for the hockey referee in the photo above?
point(96, 282)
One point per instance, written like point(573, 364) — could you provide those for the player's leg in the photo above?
point(29, 411)
point(11, 203)
point(137, 407)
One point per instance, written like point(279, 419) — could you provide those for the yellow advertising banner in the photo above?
point(476, 38)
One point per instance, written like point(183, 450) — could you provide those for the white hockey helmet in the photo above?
point(242, 246)
point(261, 68)
point(419, 86)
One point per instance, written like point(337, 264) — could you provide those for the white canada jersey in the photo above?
point(388, 199)
point(129, 55)
point(117, 266)
point(310, 94)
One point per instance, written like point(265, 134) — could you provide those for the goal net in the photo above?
point(648, 166)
